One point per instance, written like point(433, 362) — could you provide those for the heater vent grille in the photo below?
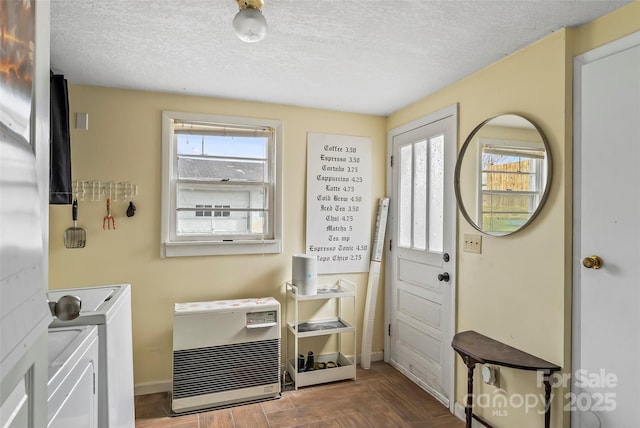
point(223, 368)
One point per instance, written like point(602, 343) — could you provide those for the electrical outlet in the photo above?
point(491, 375)
point(472, 243)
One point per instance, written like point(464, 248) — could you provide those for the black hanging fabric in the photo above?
point(60, 188)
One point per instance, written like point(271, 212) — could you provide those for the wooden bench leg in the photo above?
point(547, 399)
point(468, 410)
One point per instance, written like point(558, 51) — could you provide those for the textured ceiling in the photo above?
point(368, 56)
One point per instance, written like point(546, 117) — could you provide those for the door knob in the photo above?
point(592, 262)
point(443, 277)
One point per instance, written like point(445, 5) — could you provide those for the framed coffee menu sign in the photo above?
point(339, 202)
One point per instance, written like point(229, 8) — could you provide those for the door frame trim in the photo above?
point(449, 355)
point(580, 61)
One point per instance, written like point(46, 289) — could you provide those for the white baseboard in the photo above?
point(459, 412)
point(153, 387)
point(375, 356)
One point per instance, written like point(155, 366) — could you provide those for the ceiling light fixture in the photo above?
point(249, 23)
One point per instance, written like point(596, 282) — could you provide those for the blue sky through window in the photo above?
point(492, 159)
point(227, 146)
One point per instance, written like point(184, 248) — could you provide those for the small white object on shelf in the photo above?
point(305, 273)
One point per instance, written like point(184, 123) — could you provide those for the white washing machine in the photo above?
point(72, 399)
point(109, 308)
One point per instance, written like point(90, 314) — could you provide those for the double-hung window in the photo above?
point(512, 178)
point(220, 185)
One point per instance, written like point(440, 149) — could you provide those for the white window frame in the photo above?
point(173, 246)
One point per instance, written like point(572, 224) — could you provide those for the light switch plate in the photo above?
point(82, 121)
point(472, 243)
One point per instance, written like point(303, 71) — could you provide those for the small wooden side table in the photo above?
point(476, 348)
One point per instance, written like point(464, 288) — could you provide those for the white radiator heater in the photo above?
point(225, 352)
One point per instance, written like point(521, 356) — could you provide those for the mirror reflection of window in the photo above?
point(503, 174)
point(512, 177)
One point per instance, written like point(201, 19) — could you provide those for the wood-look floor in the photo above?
point(380, 397)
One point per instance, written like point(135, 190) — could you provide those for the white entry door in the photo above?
point(606, 320)
point(421, 255)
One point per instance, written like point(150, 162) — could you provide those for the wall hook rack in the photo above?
point(94, 190)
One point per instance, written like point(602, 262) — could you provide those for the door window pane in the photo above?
point(421, 189)
point(436, 193)
point(405, 197)
point(420, 195)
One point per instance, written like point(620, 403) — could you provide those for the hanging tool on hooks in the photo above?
point(109, 220)
point(131, 210)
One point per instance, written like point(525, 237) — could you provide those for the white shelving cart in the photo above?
point(339, 297)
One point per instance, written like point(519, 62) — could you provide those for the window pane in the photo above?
point(191, 195)
point(506, 213)
point(216, 169)
point(502, 202)
point(420, 196)
point(508, 182)
point(436, 193)
point(222, 184)
point(221, 210)
point(247, 147)
point(203, 211)
point(512, 177)
point(236, 222)
point(223, 146)
point(503, 222)
point(510, 173)
point(404, 204)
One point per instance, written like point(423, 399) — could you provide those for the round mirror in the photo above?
point(503, 174)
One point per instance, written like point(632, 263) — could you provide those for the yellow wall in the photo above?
point(124, 143)
point(613, 26)
point(519, 289)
